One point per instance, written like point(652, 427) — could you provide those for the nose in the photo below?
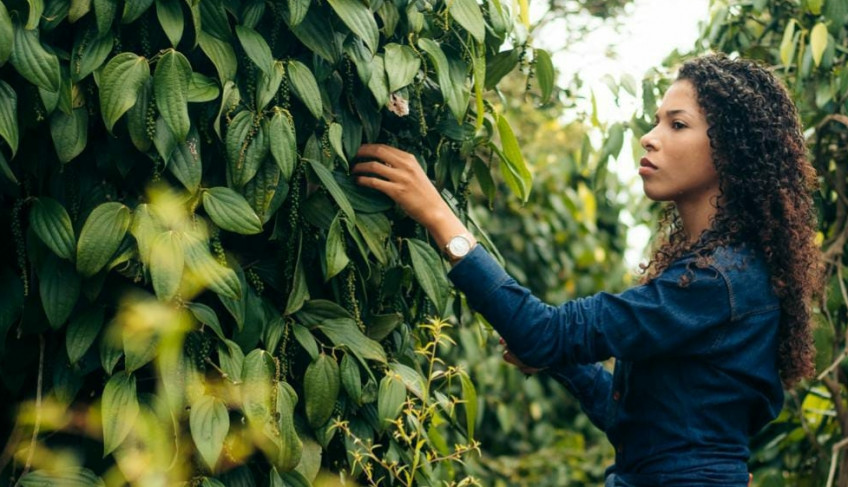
point(649, 141)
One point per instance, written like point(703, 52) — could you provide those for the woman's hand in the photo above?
point(512, 359)
point(402, 179)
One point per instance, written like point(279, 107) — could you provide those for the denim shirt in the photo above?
point(696, 369)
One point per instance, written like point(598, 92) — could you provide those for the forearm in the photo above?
point(443, 224)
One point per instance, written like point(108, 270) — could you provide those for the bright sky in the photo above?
point(651, 29)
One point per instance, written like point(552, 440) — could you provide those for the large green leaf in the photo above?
point(429, 272)
point(390, 399)
point(166, 264)
point(69, 133)
point(209, 421)
point(453, 90)
point(90, 52)
point(343, 332)
point(283, 142)
point(321, 384)
point(78, 9)
point(268, 84)
point(469, 397)
point(9, 116)
point(134, 9)
point(170, 16)
point(137, 117)
point(59, 288)
point(7, 34)
point(337, 259)
point(141, 345)
point(299, 291)
point(305, 87)
point(120, 82)
point(499, 66)
point(208, 317)
point(119, 410)
point(513, 168)
point(104, 12)
point(202, 88)
point(470, 17)
point(333, 188)
point(100, 236)
point(51, 222)
point(258, 378)
point(82, 331)
point(185, 163)
point(544, 73)
point(375, 229)
point(256, 48)
point(362, 199)
point(297, 11)
point(317, 34)
point(230, 211)
point(359, 19)
point(247, 146)
point(818, 41)
point(377, 83)
point(219, 278)
point(6, 170)
point(170, 84)
point(404, 64)
point(33, 62)
point(221, 54)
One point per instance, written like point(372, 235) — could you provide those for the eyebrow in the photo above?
point(671, 113)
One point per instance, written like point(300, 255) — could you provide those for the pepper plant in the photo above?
point(194, 289)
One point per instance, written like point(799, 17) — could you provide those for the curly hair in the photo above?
point(766, 183)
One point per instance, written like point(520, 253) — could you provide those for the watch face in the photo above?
point(459, 246)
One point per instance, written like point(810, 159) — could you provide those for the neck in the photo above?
point(695, 217)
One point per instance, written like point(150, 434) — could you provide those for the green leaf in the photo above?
point(297, 11)
point(362, 199)
point(170, 16)
point(133, 10)
point(351, 378)
point(268, 84)
point(258, 379)
point(514, 169)
point(343, 332)
point(170, 84)
point(453, 92)
point(299, 292)
point(283, 142)
point(305, 87)
point(336, 132)
point(7, 171)
point(36, 8)
point(787, 45)
point(256, 48)
point(185, 162)
point(51, 222)
point(470, 17)
point(9, 116)
point(333, 188)
point(137, 117)
point(120, 82)
point(390, 399)
point(231, 358)
point(208, 317)
point(321, 383)
point(82, 331)
point(375, 229)
point(119, 410)
point(7, 34)
point(359, 19)
point(337, 259)
point(245, 152)
point(164, 140)
point(69, 133)
point(220, 279)
point(230, 211)
point(78, 9)
point(166, 264)
point(377, 82)
point(405, 64)
point(110, 351)
point(33, 62)
point(499, 66)
point(104, 12)
point(202, 88)
point(101, 236)
point(429, 272)
point(317, 34)
point(379, 326)
point(469, 398)
point(59, 288)
point(818, 41)
point(141, 345)
point(221, 54)
point(90, 50)
point(545, 73)
point(62, 477)
point(209, 421)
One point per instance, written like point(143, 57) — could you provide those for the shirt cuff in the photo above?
point(478, 275)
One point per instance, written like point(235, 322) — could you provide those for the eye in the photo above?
point(677, 125)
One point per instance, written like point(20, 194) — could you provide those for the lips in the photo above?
point(647, 163)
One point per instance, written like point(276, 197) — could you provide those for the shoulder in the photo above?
point(746, 273)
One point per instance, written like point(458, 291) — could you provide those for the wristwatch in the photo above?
point(459, 246)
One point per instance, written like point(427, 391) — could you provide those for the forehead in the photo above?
point(681, 96)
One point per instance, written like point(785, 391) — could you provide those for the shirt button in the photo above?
point(616, 395)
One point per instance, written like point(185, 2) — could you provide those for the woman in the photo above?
point(721, 323)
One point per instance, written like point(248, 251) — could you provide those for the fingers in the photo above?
point(377, 168)
point(381, 185)
point(385, 153)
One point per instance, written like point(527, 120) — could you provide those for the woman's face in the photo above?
point(678, 163)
